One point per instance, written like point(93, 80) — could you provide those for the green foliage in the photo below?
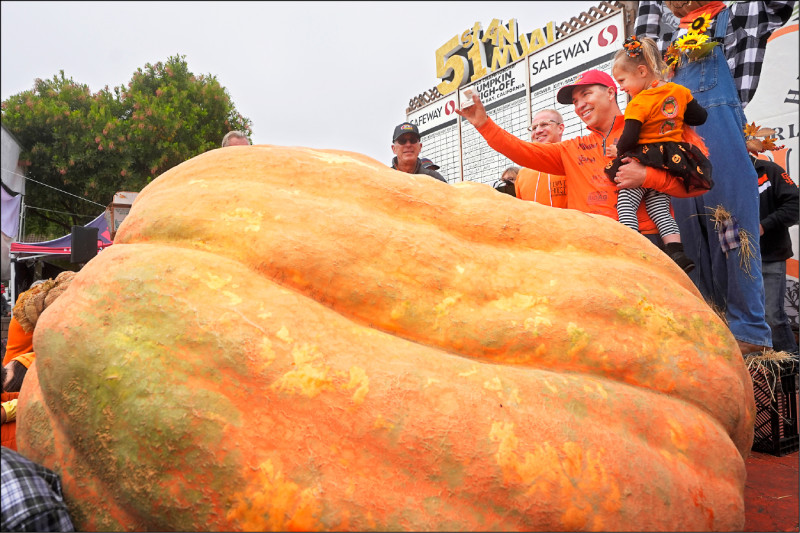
point(93, 145)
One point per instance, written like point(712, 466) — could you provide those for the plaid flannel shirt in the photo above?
point(728, 233)
point(749, 26)
point(32, 499)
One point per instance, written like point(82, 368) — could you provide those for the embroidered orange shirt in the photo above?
point(660, 110)
point(582, 160)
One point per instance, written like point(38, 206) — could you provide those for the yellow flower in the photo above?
point(700, 24)
point(690, 41)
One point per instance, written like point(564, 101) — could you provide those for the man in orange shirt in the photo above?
point(537, 186)
point(583, 159)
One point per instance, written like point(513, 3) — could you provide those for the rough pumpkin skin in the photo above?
point(296, 339)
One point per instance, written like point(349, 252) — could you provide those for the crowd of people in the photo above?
point(690, 114)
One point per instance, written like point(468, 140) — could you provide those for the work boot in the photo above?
point(748, 348)
point(675, 251)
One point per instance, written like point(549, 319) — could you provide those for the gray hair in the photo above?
point(234, 133)
point(552, 112)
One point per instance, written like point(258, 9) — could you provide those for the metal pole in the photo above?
point(12, 290)
point(13, 258)
point(21, 228)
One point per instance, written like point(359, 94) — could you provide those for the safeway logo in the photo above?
point(449, 107)
point(607, 36)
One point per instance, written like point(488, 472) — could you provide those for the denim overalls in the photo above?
point(721, 279)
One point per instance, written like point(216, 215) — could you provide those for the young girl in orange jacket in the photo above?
point(654, 122)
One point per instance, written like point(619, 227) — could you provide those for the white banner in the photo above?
point(776, 106)
point(503, 93)
point(562, 62)
point(511, 96)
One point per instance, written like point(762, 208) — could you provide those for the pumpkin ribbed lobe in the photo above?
point(485, 278)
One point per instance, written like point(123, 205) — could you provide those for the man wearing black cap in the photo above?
point(406, 146)
point(583, 159)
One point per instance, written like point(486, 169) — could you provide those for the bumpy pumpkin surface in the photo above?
point(287, 338)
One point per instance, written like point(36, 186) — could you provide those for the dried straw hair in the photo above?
point(650, 58)
point(746, 247)
point(765, 367)
point(35, 300)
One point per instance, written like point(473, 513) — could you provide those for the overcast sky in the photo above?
point(319, 74)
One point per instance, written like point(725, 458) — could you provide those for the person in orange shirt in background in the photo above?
point(655, 119)
point(29, 307)
point(535, 186)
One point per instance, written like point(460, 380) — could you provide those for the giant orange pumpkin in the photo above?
point(287, 338)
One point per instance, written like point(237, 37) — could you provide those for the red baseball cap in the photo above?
point(590, 77)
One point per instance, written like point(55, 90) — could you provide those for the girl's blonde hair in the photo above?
point(646, 53)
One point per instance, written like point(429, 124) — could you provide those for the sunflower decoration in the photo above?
point(758, 139)
point(696, 45)
point(691, 41)
point(701, 23)
point(673, 58)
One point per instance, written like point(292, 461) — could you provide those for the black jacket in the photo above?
point(778, 208)
point(421, 170)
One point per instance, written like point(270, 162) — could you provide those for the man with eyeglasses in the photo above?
point(406, 146)
point(583, 159)
point(541, 187)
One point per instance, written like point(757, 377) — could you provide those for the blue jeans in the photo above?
point(720, 278)
point(775, 289)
